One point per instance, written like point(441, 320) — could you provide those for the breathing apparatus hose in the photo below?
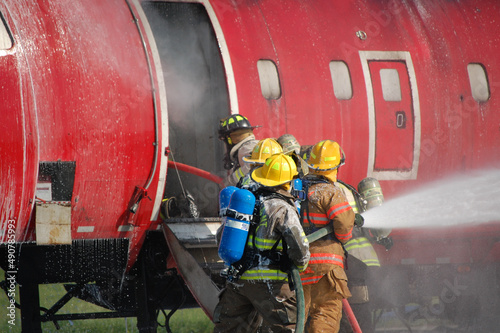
point(345, 304)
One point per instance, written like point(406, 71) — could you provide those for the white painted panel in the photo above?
point(53, 223)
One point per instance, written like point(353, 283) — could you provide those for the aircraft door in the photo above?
point(196, 92)
point(393, 114)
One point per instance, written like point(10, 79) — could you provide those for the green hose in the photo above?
point(320, 233)
point(299, 293)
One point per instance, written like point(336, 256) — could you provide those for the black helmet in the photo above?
point(233, 123)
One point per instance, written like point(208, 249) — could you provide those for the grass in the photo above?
point(183, 321)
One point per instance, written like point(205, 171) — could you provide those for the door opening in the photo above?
point(197, 95)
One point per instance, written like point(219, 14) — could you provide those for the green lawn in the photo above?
point(183, 321)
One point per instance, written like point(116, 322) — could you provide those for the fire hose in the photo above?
point(195, 171)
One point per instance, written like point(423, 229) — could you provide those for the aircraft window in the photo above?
point(5, 38)
point(478, 82)
point(341, 78)
point(391, 87)
point(269, 79)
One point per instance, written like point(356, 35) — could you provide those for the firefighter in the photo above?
point(292, 147)
point(325, 281)
point(364, 268)
point(237, 134)
point(289, 144)
point(362, 261)
point(364, 273)
point(278, 238)
point(264, 149)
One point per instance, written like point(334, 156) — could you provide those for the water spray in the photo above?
point(467, 199)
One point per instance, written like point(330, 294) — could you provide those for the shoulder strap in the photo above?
point(307, 182)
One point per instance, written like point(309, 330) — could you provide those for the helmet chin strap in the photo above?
point(228, 163)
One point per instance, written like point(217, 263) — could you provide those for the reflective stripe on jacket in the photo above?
point(326, 258)
point(361, 248)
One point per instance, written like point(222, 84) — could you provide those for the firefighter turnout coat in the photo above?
point(325, 281)
point(326, 204)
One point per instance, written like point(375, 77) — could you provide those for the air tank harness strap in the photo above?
point(279, 259)
point(306, 183)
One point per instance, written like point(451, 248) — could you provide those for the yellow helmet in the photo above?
point(326, 155)
point(278, 169)
point(263, 150)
